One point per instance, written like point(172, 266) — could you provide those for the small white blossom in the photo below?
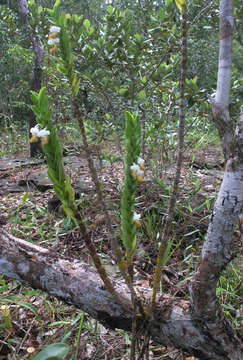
point(134, 167)
point(137, 172)
point(55, 29)
point(53, 41)
point(43, 133)
point(141, 161)
point(136, 217)
point(140, 172)
point(35, 130)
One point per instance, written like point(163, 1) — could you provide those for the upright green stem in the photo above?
point(174, 194)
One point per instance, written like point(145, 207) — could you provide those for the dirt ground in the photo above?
point(30, 210)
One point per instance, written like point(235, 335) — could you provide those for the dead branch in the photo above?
point(79, 285)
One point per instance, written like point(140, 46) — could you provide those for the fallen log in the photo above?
point(79, 284)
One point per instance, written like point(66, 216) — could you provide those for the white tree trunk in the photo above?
point(225, 52)
point(221, 103)
point(217, 248)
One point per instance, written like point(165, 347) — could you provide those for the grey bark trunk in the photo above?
point(221, 102)
point(217, 250)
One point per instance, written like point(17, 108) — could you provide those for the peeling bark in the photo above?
point(79, 284)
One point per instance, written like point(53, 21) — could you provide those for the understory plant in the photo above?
point(61, 44)
point(134, 173)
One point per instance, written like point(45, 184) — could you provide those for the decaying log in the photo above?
point(79, 284)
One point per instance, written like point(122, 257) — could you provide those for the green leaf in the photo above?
point(144, 80)
point(43, 99)
point(56, 9)
point(25, 197)
point(142, 95)
point(123, 91)
point(179, 4)
point(110, 9)
point(166, 256)
point(34, 97)
point(29, 307)
point(60, 68)
point(55, 351)
point(87, 23)
point(76, 18)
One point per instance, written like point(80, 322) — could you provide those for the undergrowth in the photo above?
point(31, 319)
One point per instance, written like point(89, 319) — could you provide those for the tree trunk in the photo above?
point(217, 250)
point(36, 83)
point(80, 285)
point(221, 102)
point(217, 253)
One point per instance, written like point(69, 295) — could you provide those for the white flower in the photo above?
point(55, 29)
point(53, 41)
point(35, 130)
point(140, 172)
point(134, 167)
point(30, 350)
point(43, 133)
point(141, 161)
point(136, 217)
point(137, 172)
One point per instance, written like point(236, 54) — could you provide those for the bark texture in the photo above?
point(217, 249)
point(221, 103)
point(80, 285)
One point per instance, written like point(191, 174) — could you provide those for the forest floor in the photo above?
point(30, 210)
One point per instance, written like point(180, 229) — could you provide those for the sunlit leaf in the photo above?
point(179, 4)
point(87, 23)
